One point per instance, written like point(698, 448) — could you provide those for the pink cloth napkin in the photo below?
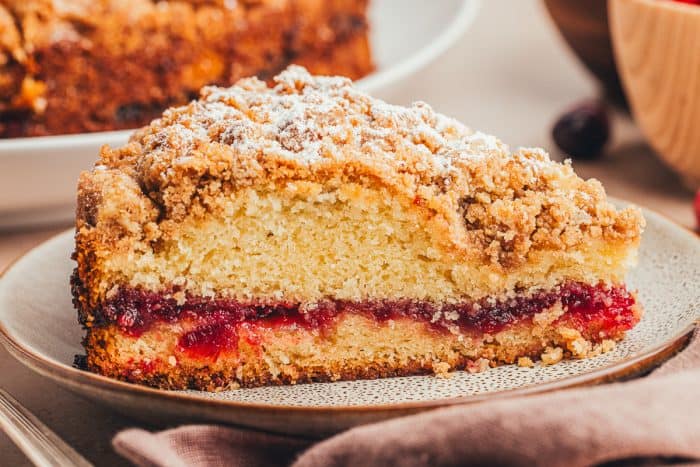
point(649, 421)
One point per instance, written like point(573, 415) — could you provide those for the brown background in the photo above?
point(510, 75)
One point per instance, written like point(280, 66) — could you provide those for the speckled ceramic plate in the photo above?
point(38, 326)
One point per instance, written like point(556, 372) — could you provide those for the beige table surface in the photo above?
point(511, 76)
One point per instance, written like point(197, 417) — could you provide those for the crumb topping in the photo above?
point(525, 362)
point(483, 198)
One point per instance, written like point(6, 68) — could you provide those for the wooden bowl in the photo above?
point(657, 48)
point(584, 27)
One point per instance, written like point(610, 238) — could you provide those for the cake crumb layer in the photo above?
point(354, 347)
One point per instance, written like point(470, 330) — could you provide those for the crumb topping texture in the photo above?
point(482, 201)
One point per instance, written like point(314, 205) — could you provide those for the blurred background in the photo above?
point(510, 74)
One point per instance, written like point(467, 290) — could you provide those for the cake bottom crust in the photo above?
point(355, 346)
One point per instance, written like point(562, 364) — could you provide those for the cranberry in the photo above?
point(696, 208)
point(583, 131)
point(209, 340)
point(692, 2)
point(598, 310)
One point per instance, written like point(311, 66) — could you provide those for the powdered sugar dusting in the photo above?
point(306, 119)
point(483, 141)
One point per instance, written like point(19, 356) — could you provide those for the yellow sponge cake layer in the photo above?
point(302, 244)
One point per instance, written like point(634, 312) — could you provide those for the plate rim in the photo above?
point(71, 377)
point(466, 14)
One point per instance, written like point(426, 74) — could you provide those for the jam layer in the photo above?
point(599, 312)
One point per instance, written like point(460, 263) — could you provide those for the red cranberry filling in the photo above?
point(209, 340)
point(597, 311)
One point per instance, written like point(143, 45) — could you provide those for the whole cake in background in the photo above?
point(308, 232)
point(74, 66)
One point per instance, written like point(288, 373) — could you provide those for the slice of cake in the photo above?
point(71, 66)
point(308, 232)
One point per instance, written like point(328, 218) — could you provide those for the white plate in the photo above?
point(38, 176)
point(39, 326)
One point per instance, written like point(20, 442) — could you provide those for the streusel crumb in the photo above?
point(552, 355)
point(478, 365)
point(525, 362)
point(484, 200)
point(442, 369)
